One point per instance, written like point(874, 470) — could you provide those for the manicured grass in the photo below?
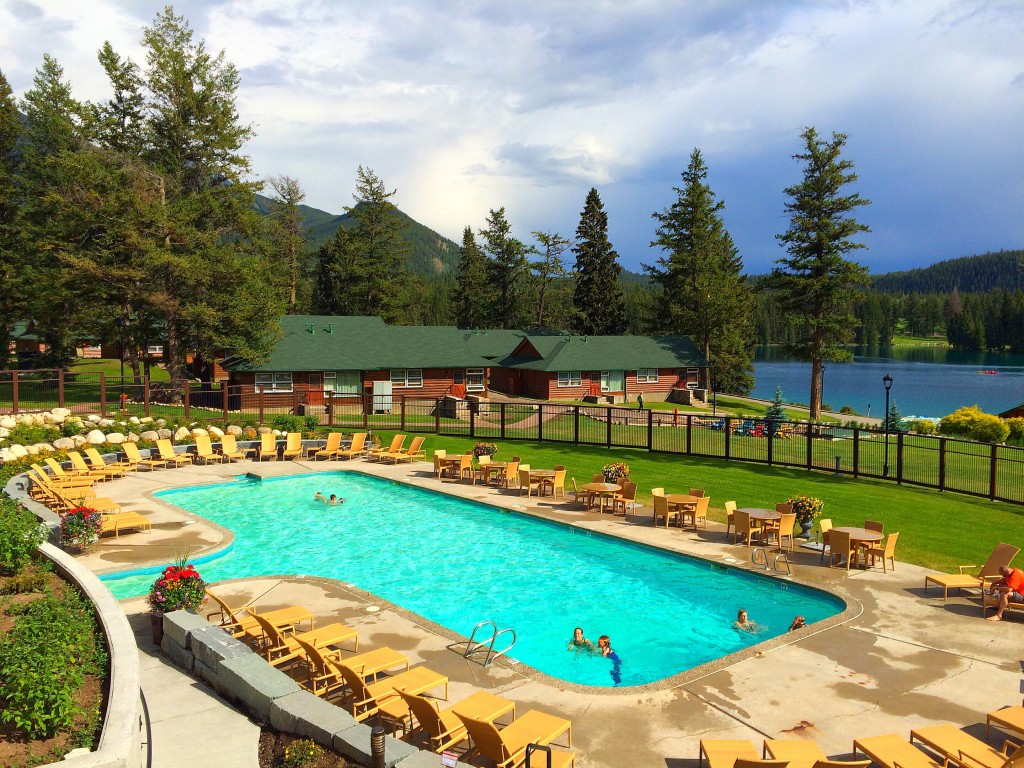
point(937, 530)
point(112, 367)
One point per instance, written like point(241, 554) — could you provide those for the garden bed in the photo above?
point(272, 753)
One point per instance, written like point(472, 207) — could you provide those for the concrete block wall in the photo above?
point(271, 697)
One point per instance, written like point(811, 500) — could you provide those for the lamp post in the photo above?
point(887, 383)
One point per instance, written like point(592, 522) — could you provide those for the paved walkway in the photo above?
point(902, 660)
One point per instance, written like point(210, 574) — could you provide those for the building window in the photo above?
point(273, 382)
point(647, 376)
point(570, 379)
point(155, 349)
point(458, 376)
point(475, 380)
point(407, 378)
point(343, 382)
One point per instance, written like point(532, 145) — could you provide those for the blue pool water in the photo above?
point(457, 562)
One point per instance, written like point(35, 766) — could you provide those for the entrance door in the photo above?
point(613, 381)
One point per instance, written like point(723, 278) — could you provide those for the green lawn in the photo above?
point(938, 530)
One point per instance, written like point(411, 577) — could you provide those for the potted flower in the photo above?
point(484, 449)
point(806, 508)
point(179, 587)
point(616, 472)
point(80, 528)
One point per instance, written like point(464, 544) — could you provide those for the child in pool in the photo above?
point(605, 644)
point(334, 501)
point(320, 497)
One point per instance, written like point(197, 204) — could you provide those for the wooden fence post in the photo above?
point(329, 406)
point(402, 405)
point(60, 387)
point(540, 422)
point(899, 458)
point(650, 430)
point(224, 398)
point(771, 439)
point(942, 463)
point(145, 394)
point(576, 425)
point(993, 463)
point(188, 400)
point(472, 420)
point(501, 410)
point(103, 394)
point(856, 452)
point(259, 406)
point(437, 416)
point(689, 434)
point(727, 426)
point(608, 435)
point(14, 391)
point(368, 409)
point(810, 445)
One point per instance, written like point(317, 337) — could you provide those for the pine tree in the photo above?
point(703, 289)
point(470, 295)
point(598, 301)
point(777, 410)
point(893, 421)
point(550, 270)
point(815, 283)
point(13, 297)
point(333, 263)
point(287, 236)
point(506, 270)
point(377, 277)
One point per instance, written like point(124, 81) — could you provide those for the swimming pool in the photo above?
point(458, 562)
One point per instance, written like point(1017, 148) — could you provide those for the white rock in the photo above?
point(105, 423)
point(95, 437)
point(200, 431)
point(93, 417)
point(182, 433)
point(115, 438)
point(265, 431)
point(32, 449)
point(146, 420)
point(61, 412)
point(43, 448)
point(216, 432)
point(134, 420)
point(18, 451)
point(79, 440)
point(164, 434)
point(4, 432)
point(8, 422)
point(161, 422)
point(48, 418)
point(150, 435)
point(64, 444)
point(132, 437)
point(5, 455)
point(278, 433)
point(233, 429)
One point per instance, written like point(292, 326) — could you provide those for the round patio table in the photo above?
point(493, 466)
point(602, 490)
point(860, 536)
point(542, 474)
point(679, 500)
point(762, 516)
point(447, 462)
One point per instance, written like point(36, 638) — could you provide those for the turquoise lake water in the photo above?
point(457, 562)
point(927, 381)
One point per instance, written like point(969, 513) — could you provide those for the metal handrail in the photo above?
point(471, 648)
point(764, 556)
point(504, 650)
point(784, 558)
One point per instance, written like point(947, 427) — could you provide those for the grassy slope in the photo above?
point(112, 367)
point(938, 530)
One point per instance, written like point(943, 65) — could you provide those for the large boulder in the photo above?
point(216, 432)
point(182, 433)
point(150, 435)
point(8, 422)
point(115, 438)
point(61, 413)
point(32, 449)
point(134, 420)
point(64, 444)
point(164, 434)
point(96, 437)
point(93, 417)
point(161, 422)
point(200, 431)
point(105, 423)
point(4, 432)
point(18, 451)
point(43, 448)
point(146, 420)
point(249, 433)
point(80, 440)
point(233, 429)
point(5, 455)
point(265, 431)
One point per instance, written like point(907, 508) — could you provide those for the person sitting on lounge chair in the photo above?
point(1010, 588)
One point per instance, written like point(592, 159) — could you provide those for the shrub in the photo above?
point(848, 410)
point(990, 429)
point(311, 423)
point(20, 536)
point(70, 428)
point(973, 423)
point(960, 422)
point(288, 423)
point(806, 507)
point(921, 426)
point(616, 472)
point(30, 435)
point(179, 587)
point(302, 752)
point(484, 449)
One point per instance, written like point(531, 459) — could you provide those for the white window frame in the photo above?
point(475, 381)
point(274, 382)
point(647, 376)
point(407, 378)
point(570, 378)
point(458, 376)
point(155, 349)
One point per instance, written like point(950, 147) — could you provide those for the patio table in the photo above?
point(763, 517)
point(602, 491)
point(860, 536)
point(679, 501)
point(493, 466)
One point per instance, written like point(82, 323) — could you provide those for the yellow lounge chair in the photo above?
point(66, 499)
point(365, 699)
point(81, 474)
point(507, 748)
point(292, 445)
point(722, 753)
point(396, 445)
point(42, 487)
point(230, 451)
point(99, 464)
point(324, 675)
point(168, 454)
point(443, 727)
point(414, 451)
point(131, 450)
point(104, 473)
point(1001, 555)
point(204, 450)
point(119, 521)
point(950, 741)
point(282, 648)
point(1010, 718)
point(329, 451)
point(356, 447)
point(237, 624)
point(801, 753)
point(268, 447)
point(889, 749)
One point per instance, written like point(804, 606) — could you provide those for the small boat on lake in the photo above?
point(989, 373)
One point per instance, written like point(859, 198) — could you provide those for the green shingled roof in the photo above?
point(594, 353)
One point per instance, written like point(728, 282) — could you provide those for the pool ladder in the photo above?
point(487, 644)
point(763, 560)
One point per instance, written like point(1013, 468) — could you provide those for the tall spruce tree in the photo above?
point(506, 269)
point(333, 264)
point(287, 236)
point(816, 283)
point(600, 308)
point(377, 278)
point(703, 290)
point(471, 293)
point(549, 271)
point(13, 298)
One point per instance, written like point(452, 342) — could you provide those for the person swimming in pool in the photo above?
point(320, 497)
point(579, 642)
point(604, 643)
point(743, 622)
point(335, 501)
point(798, 623)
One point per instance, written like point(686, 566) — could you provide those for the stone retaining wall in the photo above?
point(271, 697)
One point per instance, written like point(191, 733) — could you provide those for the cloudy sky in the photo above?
point(468, 106)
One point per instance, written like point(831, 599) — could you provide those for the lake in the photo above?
point(927, 381)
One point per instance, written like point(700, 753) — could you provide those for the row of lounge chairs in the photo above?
point(381, 684)
point(947, 746)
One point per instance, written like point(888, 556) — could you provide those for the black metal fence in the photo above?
point(980, 469)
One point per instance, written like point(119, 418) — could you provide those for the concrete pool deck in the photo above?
point(899, 660)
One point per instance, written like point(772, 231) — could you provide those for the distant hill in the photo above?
point(432, 254)
point(968, 274)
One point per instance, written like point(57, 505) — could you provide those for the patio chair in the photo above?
point(99, 464)
point(364, 699)
point(396, 445)
point(323, 674)
point(238, 624)
point(118, 521)
point(951, 742)
point(481, 471)
point(439, 466)
point(292, 446)
point(204, 450)
point(357, 447)
point(723, 753)
point(132, 454)
point(626, 496)
point(890, 750)
point(268, 447)
point(95, 464)
point(785, 528)
point(824, 526)
point(78, 478)
point(230, 451)
point(442, 727)
point(744, 526)
point(526, 483)
point(730, 516)
point(886, 552)
point(329, 450)
point(510, 475)
point(783, 508)
point(556, 483)
point(698, 492)
point(661, 508)
point(83, 470)
point(507, 748)
point(839, 546)
point(414, 451)
point(583, 498)
point(1010, 718)
point(992, 601)
point(281, 648)
point(1002, 555)
point(465, 468)
point(799, 753)
point(874, 525)
point(168, 454)
point(700, 511)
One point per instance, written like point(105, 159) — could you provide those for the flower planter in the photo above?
point(805, 529)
